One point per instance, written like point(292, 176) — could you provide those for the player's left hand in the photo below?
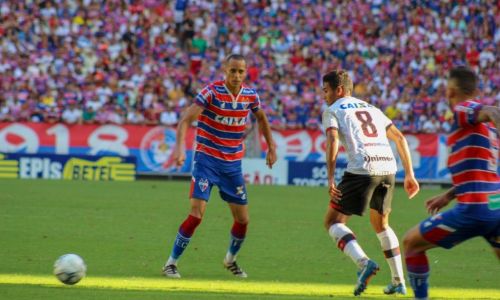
point(411, 186)
point(334, 192)
point(271, 157)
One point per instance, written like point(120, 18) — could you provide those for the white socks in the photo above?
point(346, 242)
point(171, 261)
point(230, 258)
point(390, 246)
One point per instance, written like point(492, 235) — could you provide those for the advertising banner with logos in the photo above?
point(153, 149)
point(255, 171)
point(69, 167)
point(151, 146)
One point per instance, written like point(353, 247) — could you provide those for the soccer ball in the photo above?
point(69, 268)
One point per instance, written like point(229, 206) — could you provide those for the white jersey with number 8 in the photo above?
point(362, 130)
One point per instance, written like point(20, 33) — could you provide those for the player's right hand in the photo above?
point(435, 203)
point(271, 157)
point(179, 157)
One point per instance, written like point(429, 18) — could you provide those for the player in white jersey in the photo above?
point(369, 179)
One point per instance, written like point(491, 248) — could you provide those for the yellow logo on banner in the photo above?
point(8, 168)
point(105, 169)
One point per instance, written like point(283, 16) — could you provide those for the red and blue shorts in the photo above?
point(458, 224)
point(229, 181)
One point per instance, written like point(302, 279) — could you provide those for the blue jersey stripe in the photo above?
point(229, 105)
point(469, 164)
point(209, 114)
point(477, 186)
point(201, 100)
point(219, 133)
point(220, 89)
point(475, 139)
point(225, 149)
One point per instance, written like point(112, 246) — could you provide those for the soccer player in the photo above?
point(369, 179)
point(476, 185)
point(221, 109)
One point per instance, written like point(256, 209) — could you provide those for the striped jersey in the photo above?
point(222, 124)
point(473, 157)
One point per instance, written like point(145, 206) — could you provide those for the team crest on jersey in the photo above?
point(203, 184)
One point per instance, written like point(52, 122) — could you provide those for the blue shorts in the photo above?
point(456, 225)
point(230, 183)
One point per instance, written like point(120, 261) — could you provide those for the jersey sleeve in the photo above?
point(204, 98)
point(466, 114)
point(255, 106)
point(385, 120)
point(329, 120)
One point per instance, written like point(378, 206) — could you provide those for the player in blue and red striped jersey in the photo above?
point(221, 109)
point(476, 184)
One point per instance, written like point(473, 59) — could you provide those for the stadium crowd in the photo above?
point(142, 62)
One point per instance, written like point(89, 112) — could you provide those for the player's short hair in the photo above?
point(465, 78)
point(338, 78)
point(235, 57)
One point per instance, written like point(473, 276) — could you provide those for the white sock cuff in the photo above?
point(388, 239)
point(338, 230)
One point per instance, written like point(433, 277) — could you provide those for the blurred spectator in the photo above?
point(89, 115)
point(169, 117)
point(135, 115)
point(72, 114)
point(431, 125)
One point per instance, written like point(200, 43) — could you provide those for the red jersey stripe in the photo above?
point(219, 154)
point(472, 197)
point(468, 153)
point(227, 112)
point(219, 141)
point(462, 133)
point(475, 175)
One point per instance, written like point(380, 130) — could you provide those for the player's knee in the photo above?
point(242, 220)
point(328, 223)
point(379, 227)
point(407, 242)
point(196, 212)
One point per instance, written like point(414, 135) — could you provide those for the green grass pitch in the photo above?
point(124, 232)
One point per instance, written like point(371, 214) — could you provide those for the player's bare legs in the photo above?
point(335, 224)
point(238, 233)
point(390, 246)
point(198, 208)
point(184, 234)
point(417, 263)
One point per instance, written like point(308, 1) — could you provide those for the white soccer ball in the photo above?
point(70, 268)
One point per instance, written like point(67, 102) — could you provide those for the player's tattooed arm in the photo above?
point(490, 114)
point(435, 203)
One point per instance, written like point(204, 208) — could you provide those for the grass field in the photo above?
point(124, 231)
